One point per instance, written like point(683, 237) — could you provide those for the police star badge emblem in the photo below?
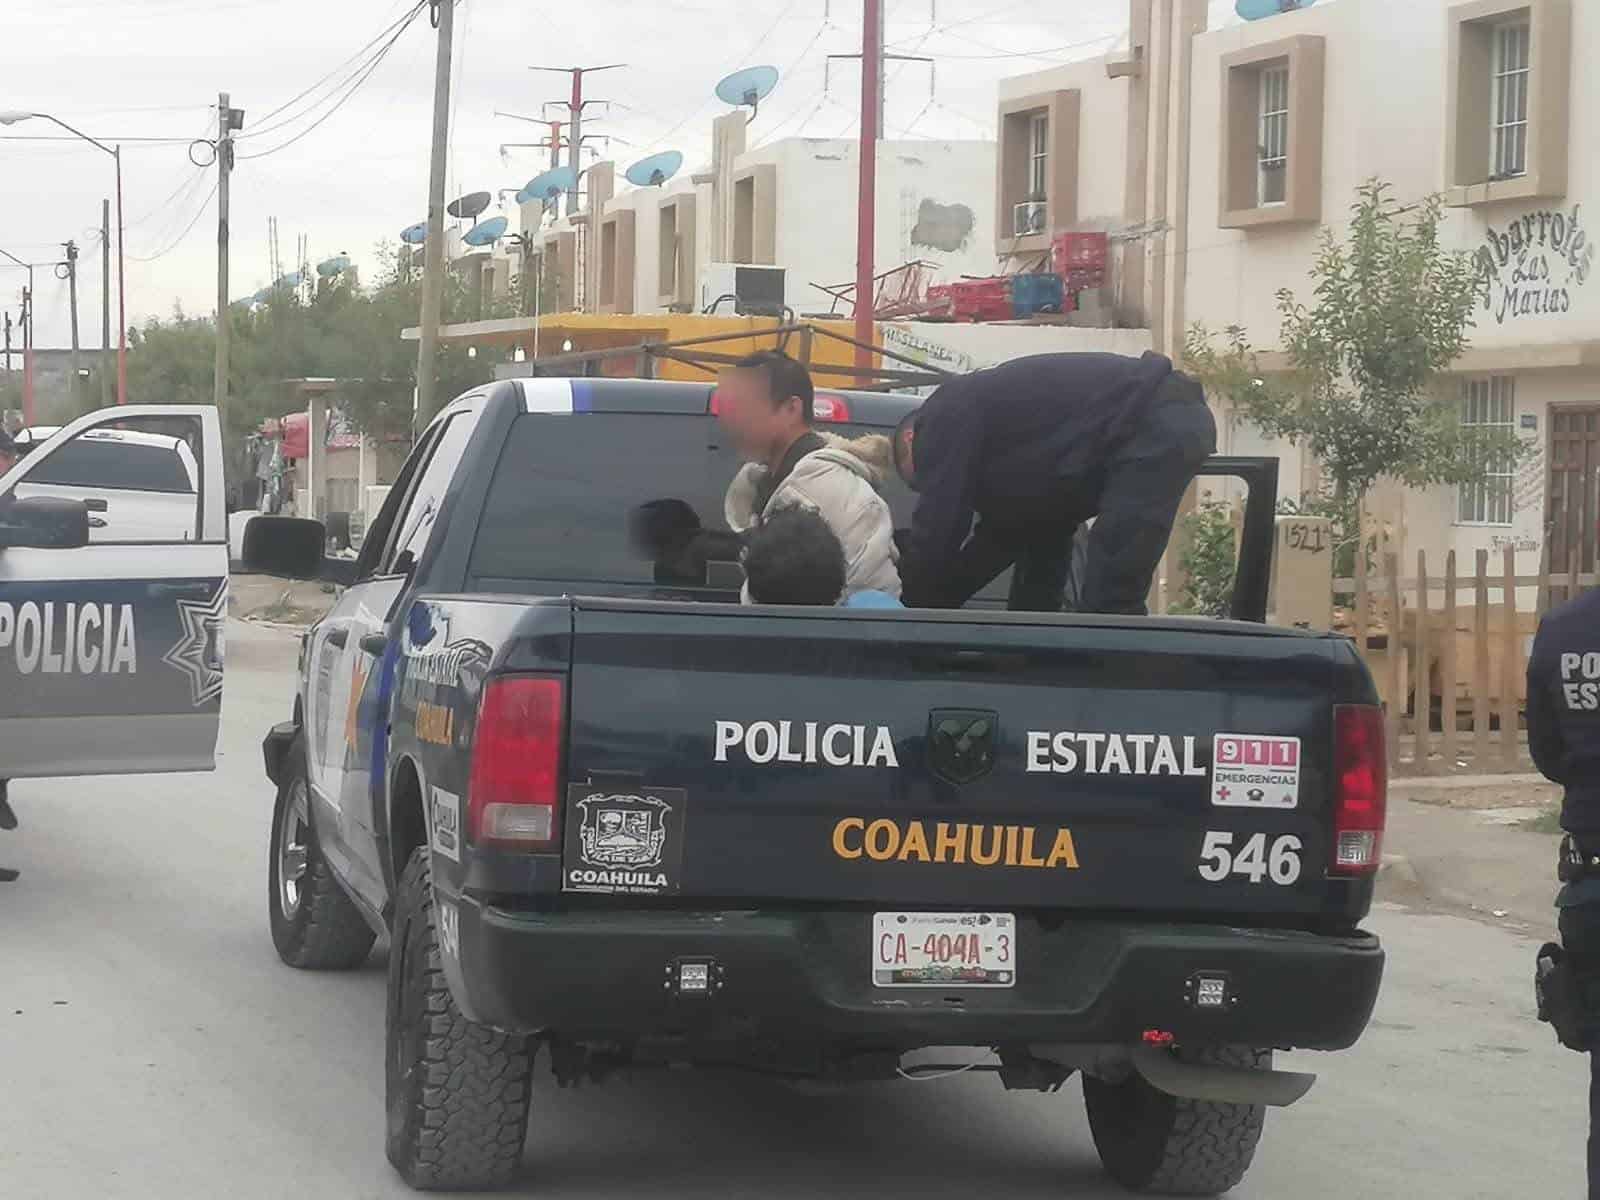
point(198, 652)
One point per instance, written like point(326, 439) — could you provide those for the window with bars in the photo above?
point(1508, 106)
point(1272, 139)
point(1488, 408)
point(1038, 154)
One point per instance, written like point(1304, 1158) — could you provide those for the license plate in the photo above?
point(923, 949)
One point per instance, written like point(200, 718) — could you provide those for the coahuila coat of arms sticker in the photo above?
point(629, 842)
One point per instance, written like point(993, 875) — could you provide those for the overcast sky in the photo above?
point(152, 69)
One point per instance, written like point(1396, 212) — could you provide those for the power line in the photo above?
point(1050, 55)
point(355, 86)
point(742, 59)
point(264, 123)
point(186, 230)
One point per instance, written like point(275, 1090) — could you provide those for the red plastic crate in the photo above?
point(982, 299)
point(1070, 252)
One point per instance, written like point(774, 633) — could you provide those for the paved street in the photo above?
point(152, 1045)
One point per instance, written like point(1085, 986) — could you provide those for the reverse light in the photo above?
point(514, 792)
point(1361, 784)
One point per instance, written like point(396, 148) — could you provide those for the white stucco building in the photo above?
point(1227, 150)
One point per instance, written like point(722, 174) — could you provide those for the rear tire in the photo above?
point(1166, 1145)
point(315, 926)
point(457, 1091)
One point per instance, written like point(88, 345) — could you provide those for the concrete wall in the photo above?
point(1385, 116)
point(1102, 134)
point(961, 347)
point(934, 202)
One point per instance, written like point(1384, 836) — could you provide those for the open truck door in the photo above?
point(111, 621)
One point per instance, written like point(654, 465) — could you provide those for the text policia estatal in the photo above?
point(69, 639)
point(1063, 753)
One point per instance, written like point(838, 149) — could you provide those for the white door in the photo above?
point(111, 653)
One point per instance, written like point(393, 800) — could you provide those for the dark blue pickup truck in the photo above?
point(603, 811)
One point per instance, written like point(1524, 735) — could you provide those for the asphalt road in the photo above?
point(152, 1045)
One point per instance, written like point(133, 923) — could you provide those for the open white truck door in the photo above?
point(111, 628)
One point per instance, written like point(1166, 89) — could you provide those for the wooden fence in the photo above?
point(1467, 655)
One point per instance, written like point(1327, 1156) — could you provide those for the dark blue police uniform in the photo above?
point(1564, 738)
point(1032, 449)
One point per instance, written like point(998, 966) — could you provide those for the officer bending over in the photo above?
point(1564, 737)
point(1035, 447)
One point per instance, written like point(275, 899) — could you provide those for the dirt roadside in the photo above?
point(1482, 847)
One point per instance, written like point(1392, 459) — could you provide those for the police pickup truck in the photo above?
point(113, 593)
point(602, 811)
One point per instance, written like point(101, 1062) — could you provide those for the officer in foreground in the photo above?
point(1034, 448)
point(1564, 738)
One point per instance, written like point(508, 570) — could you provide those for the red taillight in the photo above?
point(514, 794)
point(825, 407)
point(1360, 789)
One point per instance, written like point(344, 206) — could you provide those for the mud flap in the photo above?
point(1227, 1085)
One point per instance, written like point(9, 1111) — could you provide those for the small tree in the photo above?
point(1390, 312)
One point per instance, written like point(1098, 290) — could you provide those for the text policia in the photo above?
point(69, 639)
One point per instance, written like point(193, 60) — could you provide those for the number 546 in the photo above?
point(1253, 859)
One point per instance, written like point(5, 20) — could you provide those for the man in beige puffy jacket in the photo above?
point(765, 402)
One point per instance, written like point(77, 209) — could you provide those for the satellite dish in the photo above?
point(1255, 10)
point(485, 232)
point(415, 235)
point(337, 265)
point(548, 185)
point(749, 86)
point(469, 206)
point(654, 170)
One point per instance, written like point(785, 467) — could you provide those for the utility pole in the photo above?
point(71, 248)
point(873, 88)
point(228, 119)
point(27, 351)
point(105, 304)
point(433, 255)
point(575, 106)
point(867, 200)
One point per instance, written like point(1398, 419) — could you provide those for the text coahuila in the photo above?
point(952, 842)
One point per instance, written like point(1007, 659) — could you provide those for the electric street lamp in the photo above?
point(12, 117)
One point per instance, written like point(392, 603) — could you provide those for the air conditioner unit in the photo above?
point(1028, 218)
point(748, 289)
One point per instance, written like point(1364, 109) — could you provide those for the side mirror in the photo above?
point(289, 547)
point(44, 523)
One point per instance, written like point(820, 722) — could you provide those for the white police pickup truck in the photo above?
point(113, 594)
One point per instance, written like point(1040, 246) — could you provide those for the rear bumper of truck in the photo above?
point(804, 975)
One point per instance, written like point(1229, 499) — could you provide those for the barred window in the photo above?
point(1272, 154)
point(1488, 406)
point(1508, 118)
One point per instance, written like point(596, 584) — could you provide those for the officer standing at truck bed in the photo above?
point(1034, 448)
point(1564, 738)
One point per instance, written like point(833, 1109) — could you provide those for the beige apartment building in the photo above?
point(1214, 157)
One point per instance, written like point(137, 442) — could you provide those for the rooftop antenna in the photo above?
point(548, 186)
point(655, 169)
point(485, 233)
point(467, 208)
point(1256, 10)
point(747, 87)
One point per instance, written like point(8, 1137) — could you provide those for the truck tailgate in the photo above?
point(963, 761)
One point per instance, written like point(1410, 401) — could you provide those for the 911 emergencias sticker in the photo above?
point(1253, 771)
